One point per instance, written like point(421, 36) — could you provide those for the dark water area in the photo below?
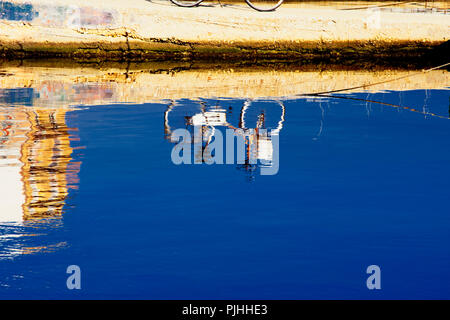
point(362, 179)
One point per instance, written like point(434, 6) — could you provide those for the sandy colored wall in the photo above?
point(140, 29)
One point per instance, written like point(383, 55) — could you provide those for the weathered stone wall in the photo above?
point(158, 30)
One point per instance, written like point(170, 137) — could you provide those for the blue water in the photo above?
point(359, 183)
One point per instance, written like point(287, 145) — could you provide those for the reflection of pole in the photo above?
point(167, 129)
point(321, 121)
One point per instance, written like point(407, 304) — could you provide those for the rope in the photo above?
point(384, 5)
point(376, 83)
point(387, 104)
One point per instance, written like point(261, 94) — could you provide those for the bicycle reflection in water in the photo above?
point(256, 146)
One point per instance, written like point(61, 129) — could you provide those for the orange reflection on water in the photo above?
point(36, 166)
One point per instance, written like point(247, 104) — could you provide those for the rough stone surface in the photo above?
point(159, 30)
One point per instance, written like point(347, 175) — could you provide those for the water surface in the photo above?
point(363, 179)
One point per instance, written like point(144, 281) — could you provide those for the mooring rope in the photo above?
point(376, 83)
point(386, 104)
point(375, 6)
point(327, 93)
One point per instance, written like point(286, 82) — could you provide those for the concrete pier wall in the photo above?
point(159, 30)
